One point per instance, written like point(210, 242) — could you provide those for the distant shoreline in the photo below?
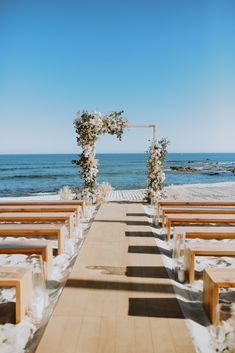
point(218, 191)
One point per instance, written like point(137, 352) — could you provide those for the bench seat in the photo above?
point(205, 249)
point(46, 203)
point(186, 204)
point(27, 217)
point(57, 230)
point(213, 280)
point(21, 279)
point(40, 209)
point(29, 247)
point(197, 219)
point(205, 232)
point(190, 211)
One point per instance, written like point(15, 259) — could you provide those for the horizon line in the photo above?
point(67, 153)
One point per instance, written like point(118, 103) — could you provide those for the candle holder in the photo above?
point(178, 248)
point(39, 299)
point(155, 215)
point(180, 272)
point(178, 256)
point(224, 330)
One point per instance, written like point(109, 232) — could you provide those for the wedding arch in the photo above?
point(89, 126)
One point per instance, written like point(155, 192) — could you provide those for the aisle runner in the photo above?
point(126, 195)
point(118, 298)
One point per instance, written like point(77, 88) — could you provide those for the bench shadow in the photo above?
point(155, 307)
point(138, 223)
point(139, 234)
point(129, 202)
point(147, 271)
point(109, 221)
point(124, 286)
point(7, 313)
point(167, 308)
point(143, 249)
point(148, 249)
point(138, 215)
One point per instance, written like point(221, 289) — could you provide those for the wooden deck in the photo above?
point(118, 298)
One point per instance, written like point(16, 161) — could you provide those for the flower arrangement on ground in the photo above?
point(66, 193)
point(89, 126)
point(155, 165)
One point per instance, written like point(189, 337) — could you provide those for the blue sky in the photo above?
point(166, 62)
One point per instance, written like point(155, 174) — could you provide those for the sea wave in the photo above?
point(39, 167)
point(31, 176)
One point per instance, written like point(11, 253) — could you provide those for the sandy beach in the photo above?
point(197, 321)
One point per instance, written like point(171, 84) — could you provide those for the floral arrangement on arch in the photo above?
point(89, 126)
point(157, 157)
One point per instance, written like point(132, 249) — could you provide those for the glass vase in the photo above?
point(224, 330)
point(39, 288)
point(178, 256)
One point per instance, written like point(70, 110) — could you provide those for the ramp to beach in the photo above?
point(118, 298)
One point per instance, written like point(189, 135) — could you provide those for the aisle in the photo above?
point(126, 195)
point(118, 298)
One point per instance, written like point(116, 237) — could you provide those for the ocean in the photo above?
point(22, 175)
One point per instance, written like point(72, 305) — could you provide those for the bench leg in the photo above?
point(210, 297)
point(189, 265)
point(163, 219)
point(24, 294)
point(168, 229)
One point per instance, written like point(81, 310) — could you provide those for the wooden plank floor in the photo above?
point(118, 298)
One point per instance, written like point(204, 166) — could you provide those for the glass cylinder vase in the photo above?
point(39, 287)
point(178, 256)
point(224, 330)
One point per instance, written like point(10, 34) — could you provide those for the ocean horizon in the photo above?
point(100, 153)
point(32, 174)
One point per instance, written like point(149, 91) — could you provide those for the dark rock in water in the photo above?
point(182, 169)
point(231, 169)
point(7, 313)
point(213, 173)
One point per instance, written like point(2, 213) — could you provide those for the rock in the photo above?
point(213, 173)
point(182, 169)
point(231, 169)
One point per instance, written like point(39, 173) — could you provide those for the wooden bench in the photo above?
point(205, 232)
point(29, 247)
point(59, 231)
point(213, 280)
point(21, 279)
point(46, 203)
point(168, 203)
point(205, 249)
point(56, 208)
point(197, 219)
point(27, 217)
point(166, 211)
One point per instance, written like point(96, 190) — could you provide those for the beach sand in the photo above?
point(189, 296)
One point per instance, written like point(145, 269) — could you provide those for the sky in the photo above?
point(164, 62)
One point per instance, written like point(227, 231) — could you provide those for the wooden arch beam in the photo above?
point(130, 126)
